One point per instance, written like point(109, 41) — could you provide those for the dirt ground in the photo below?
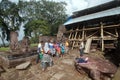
point(63, 69)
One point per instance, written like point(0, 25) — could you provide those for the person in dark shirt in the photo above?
point(82, 60)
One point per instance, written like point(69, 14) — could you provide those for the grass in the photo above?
point(4, 48)
point(33, 45)
point(7, 48)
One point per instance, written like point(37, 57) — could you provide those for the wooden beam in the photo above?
point(83, 33)
point(79, 35)
point(75, 35)
point(95, 28)
point(73, 44)
point(70, 35)
point(91, 35)
point(102, 41)
point(116, 32)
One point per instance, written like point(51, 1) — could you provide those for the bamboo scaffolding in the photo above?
point(100, 33)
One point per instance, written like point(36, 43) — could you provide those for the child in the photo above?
point(62, 50)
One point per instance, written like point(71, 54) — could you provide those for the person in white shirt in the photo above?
point(46, 47)
point(81, 48)
point(39, 50)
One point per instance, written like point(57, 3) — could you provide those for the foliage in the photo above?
point(10, 17)
point(39, 17)
point(51, 13)
point(36, 27)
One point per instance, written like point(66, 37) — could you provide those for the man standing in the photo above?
point(81, 48)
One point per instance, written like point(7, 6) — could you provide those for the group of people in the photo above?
point(49, 49)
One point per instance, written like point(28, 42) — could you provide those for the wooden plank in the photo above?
point(87, 46)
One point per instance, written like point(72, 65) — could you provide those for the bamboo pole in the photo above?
point(102, 35)
point(75, 39)
point(116, 32)
point(70, 35)
point(110, 33)
point(83, 32)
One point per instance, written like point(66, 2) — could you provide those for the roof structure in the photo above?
point(102, 11)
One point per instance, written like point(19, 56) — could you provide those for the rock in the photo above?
point(23, 65)
point(57, 76)
point(1, 69)
point(117, 75)
point(1, 78)
point(68, 61)
point(96, 67)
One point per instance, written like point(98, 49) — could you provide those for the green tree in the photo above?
point(10, 16)
point(10, 19)
point(52, 13)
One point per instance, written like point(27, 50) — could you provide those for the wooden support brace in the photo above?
point(91, 34)
point(110, 33)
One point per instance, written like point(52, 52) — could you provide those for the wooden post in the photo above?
point(116, 32)
point(74, 39)
point(73, 35)
point(102, 37)
point(76, 34)
point(70, 35)
point(83, 33)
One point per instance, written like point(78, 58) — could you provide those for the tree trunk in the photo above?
point(2, 41)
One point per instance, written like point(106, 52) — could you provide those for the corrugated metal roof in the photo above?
point(97, 8)
point(109, 12)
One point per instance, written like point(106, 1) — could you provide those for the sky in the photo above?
point(76, 5)
point(72, 6)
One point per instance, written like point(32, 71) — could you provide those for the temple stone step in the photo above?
point(23, 65)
